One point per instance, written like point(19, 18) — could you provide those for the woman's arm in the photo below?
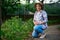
point(34, 19)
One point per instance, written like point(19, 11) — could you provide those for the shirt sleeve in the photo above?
point(34, 17)
point(45, 19)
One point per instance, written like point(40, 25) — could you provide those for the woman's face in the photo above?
point(38, 7)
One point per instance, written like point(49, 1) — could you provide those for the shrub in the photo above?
point(51, 22)
point(58, 27)
point(16, 29)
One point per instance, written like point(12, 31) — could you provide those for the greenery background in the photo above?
point(17, 22)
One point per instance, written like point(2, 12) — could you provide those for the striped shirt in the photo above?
point(41, 16)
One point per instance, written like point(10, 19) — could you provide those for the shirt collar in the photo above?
point(40, 11)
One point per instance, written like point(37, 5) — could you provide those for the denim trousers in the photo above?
point(37, 29)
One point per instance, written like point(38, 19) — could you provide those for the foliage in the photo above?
point(31, 7)
point(16, 29)
point(58, 27)
point(12, 7)
point(51, 22)
point(52, 9)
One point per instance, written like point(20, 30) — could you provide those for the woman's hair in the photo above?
point(40, 4)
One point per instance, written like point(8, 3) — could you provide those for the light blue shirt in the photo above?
point(41, 16)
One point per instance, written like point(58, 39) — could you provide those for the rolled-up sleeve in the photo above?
point(45, 18)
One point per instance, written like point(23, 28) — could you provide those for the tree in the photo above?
point(28, 1)
point(58, 1)
point(38, 0)
point(41, 1)
point(51, 0)
point(0, 13)
point(33, 1)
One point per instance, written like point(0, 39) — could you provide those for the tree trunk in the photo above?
point(42, 1)
point(51, 0)
point(0, 13)
point(33, 1)
point(28, 1)
point(38, 0)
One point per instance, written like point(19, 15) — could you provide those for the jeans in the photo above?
point(37, 29)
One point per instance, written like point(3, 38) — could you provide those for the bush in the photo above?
point(16, 29)
point(58, 27)
point(52, 9)
point(51, 22)
point(11, 7)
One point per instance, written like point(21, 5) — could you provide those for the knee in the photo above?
point(34, 34)
point(35, 28)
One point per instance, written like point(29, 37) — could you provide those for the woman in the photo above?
point(40, 21)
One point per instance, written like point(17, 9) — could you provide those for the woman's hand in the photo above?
point(35, 23)
point(41, 22)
